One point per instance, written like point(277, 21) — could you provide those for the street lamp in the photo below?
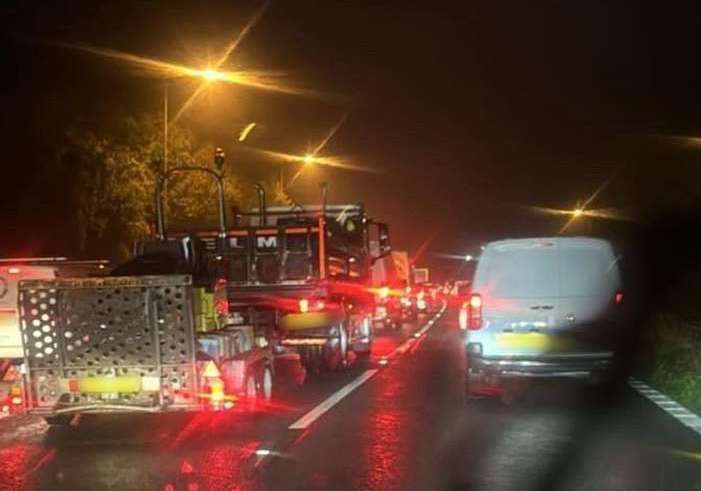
point(577, 212)
point(208, 75)
point(468, 258)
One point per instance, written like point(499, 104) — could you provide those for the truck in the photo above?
point(303, 274)
point(394, 302)
point(154, 336)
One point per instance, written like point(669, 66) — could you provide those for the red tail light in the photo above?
point(618, 298)
point(221, 301)
point(475, 311)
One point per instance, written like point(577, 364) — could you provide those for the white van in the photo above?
point(10, 276)
point(14, 270)
point(542, 307)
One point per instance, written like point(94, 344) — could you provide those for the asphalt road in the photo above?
point(408, 426)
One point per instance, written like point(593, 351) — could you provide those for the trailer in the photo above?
point(12, 271)
point(155, 336)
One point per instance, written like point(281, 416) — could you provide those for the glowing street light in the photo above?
point(211, 75)
point(468, 258)
point(577, 212)
point(309, 159)
point(208, 75)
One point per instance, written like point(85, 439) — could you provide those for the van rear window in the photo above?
point(587, 271)
point(521, 273)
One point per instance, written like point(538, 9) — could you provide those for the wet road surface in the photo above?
point(408, 426)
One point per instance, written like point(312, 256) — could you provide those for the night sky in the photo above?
point(472, 110)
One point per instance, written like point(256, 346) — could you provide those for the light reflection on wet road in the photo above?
point(408, 427)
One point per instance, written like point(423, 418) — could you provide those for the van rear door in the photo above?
point(519, 283)
point(589, 281)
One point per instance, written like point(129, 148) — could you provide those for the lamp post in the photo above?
point(206, 75)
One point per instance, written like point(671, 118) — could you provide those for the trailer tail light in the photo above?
point(474, 312)
point(304, 305)
point(221, 301)
point(618, 298)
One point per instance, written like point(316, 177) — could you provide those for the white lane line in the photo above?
point(306, 420)
point(671, 407)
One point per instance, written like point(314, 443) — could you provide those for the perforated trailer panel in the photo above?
point(108, 327)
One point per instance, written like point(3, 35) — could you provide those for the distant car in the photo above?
point(540, 308)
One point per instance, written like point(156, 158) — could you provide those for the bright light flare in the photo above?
point(327, 161)
point(246, 131)
point(211, 75)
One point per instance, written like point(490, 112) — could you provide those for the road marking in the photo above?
point(671, 407)
point(305, 421)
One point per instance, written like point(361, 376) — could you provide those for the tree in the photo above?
point(113, 182)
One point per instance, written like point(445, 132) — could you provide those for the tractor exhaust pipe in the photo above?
point(324, 196)
point(262, 205)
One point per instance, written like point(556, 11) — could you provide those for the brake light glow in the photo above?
point(475, 312)
point(14, 270)
point(384, 292)
point(618, 298)
point(306, 305)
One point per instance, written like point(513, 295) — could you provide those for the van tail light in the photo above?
point(618, 298)
point(475, 312)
